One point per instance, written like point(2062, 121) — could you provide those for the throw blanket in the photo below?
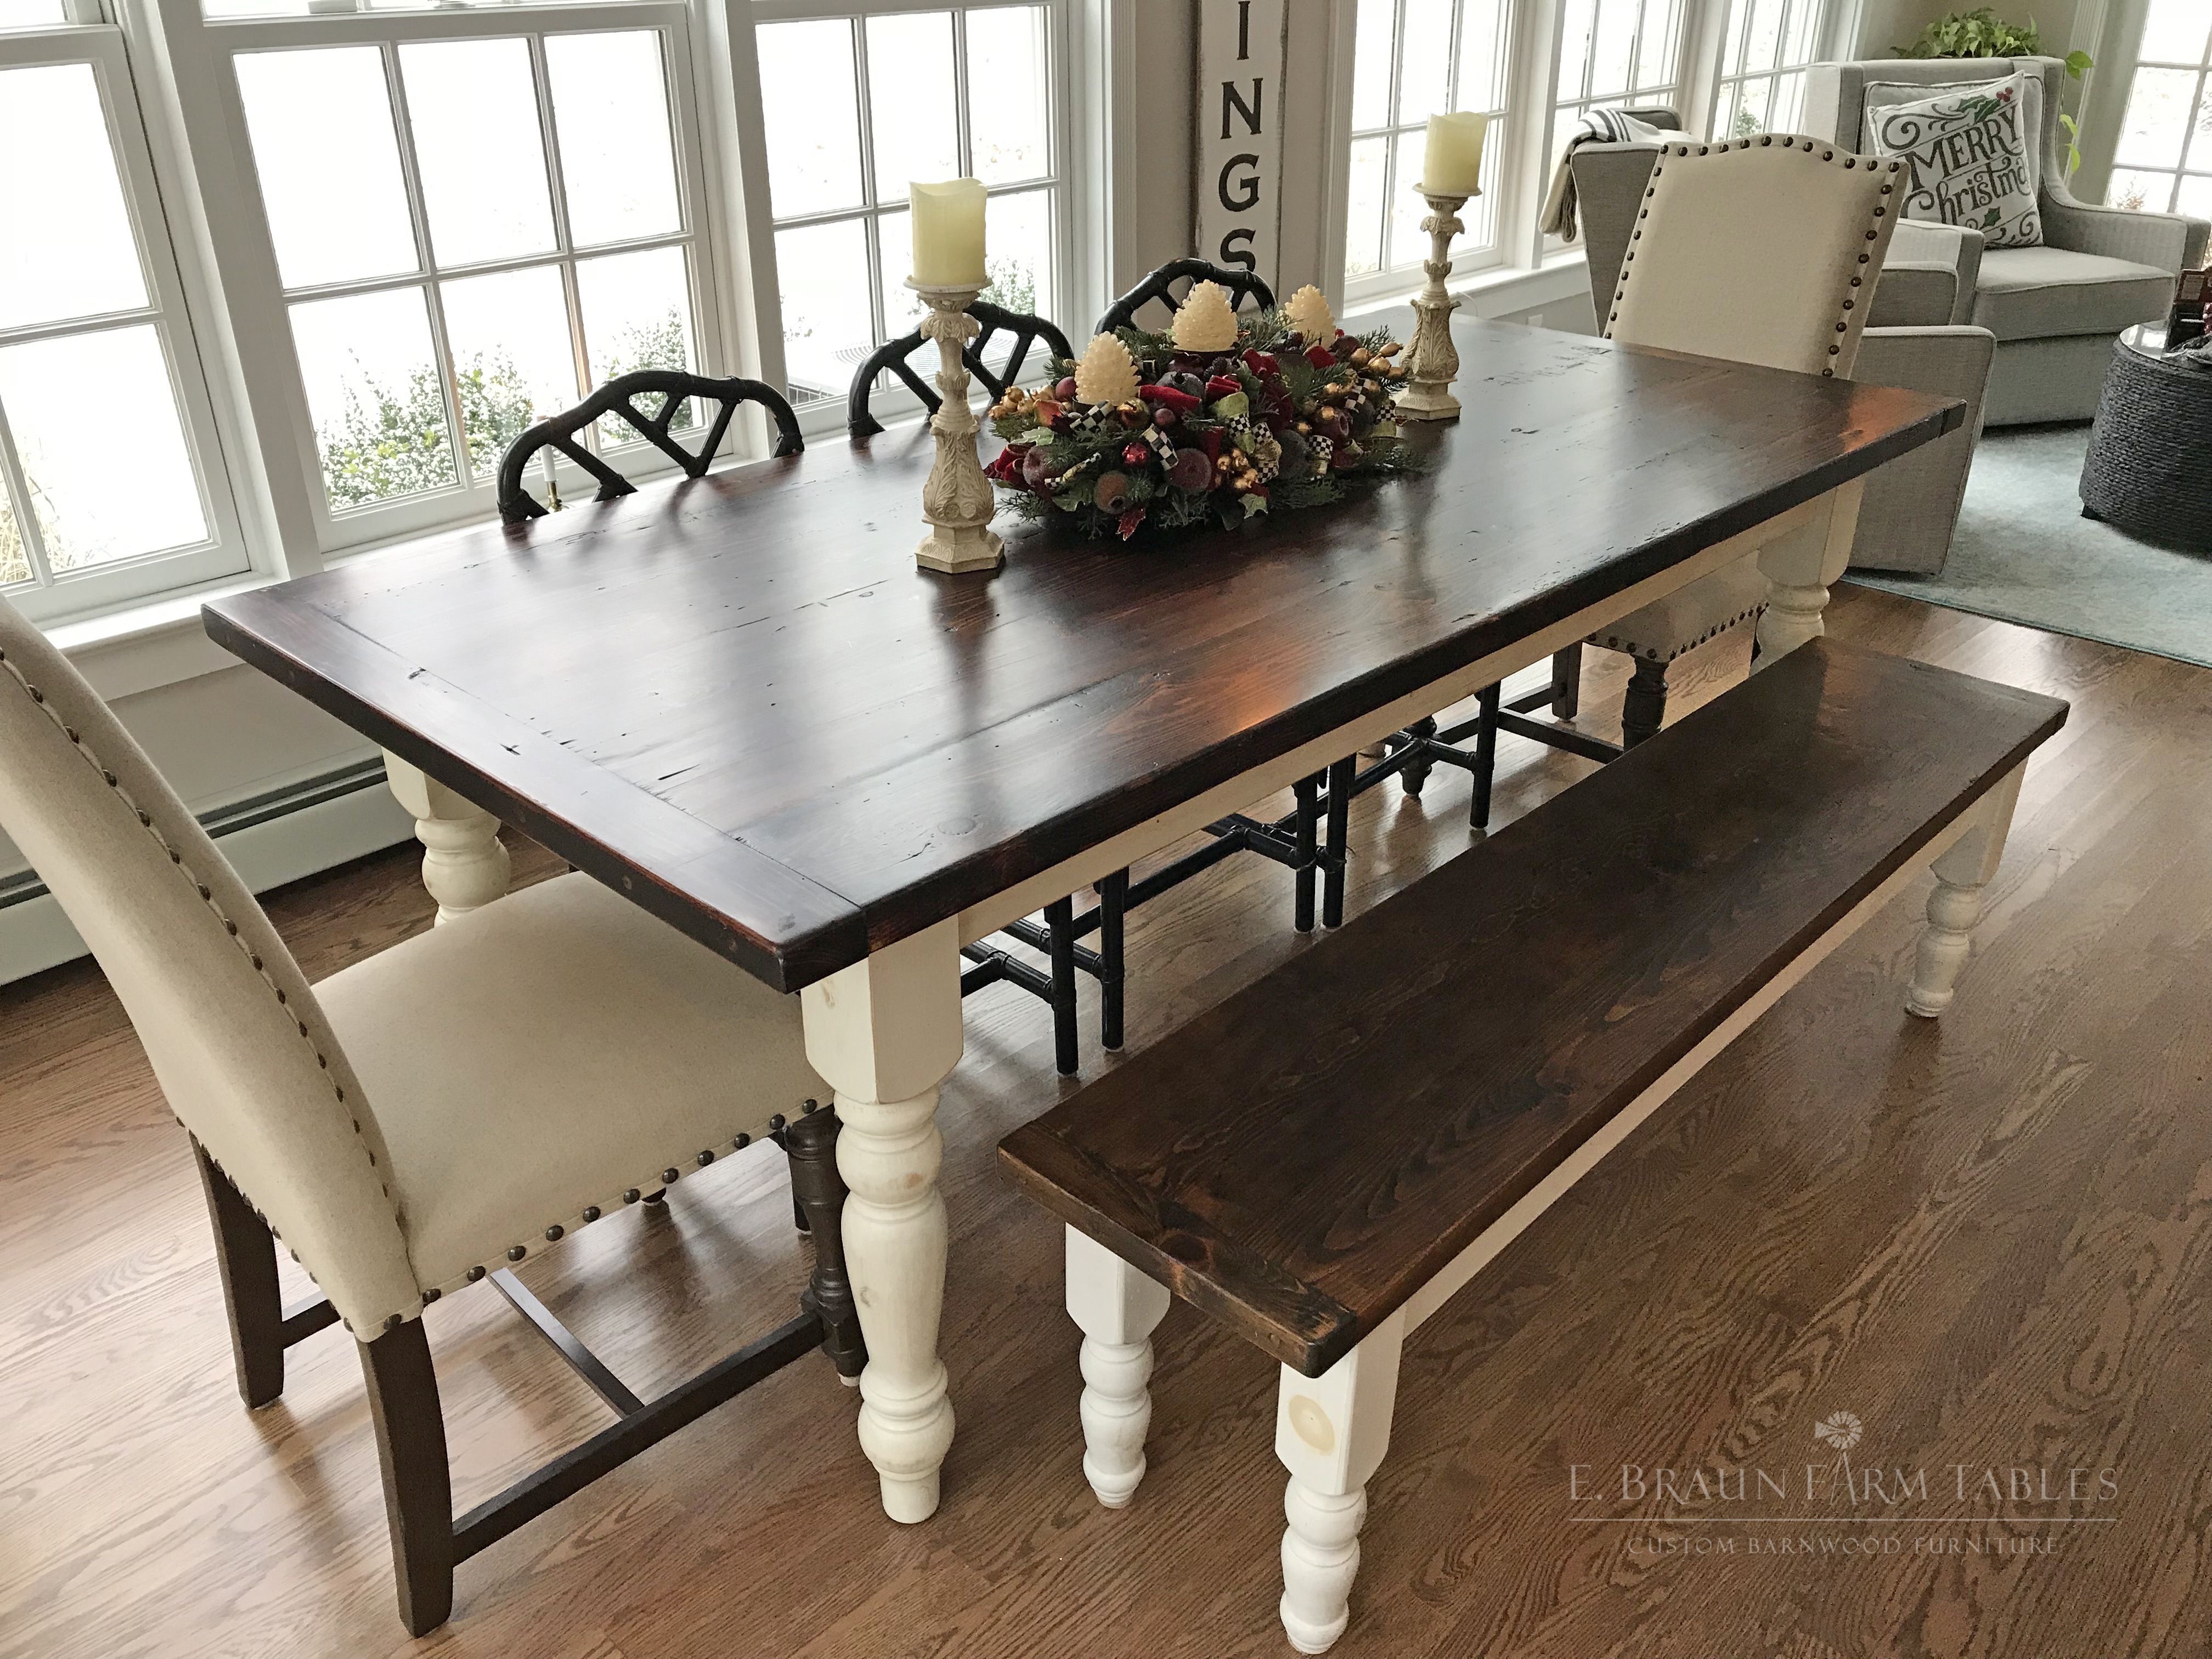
point(1600, 126)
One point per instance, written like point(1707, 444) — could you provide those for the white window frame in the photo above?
point(471, 500)
point(224, 552)
point(892, 402)
point(2198, 109)
point(1818, 49)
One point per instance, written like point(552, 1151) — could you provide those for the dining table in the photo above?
point(736, 701)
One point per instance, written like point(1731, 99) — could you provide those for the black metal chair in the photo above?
point(1055, 938)
point(1160, 288)
point(518, 506)
point(893, 358)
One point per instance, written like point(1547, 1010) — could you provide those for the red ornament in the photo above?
point(1181, 401)
point(1222, 385)
point(1135, 455)
point(1320, 356)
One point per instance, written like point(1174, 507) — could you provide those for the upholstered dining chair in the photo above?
point(895, 358)
point(421, 1121)
point(1761, 250)
point(618, 397)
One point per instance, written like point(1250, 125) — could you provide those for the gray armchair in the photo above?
point(1916, 338)
point(2052, 309)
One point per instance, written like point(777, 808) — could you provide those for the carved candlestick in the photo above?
point(957, 500)
point(1434, 362)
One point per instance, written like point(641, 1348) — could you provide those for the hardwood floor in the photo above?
point(1988, 1241)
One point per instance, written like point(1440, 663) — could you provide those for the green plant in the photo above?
point(1982, 34)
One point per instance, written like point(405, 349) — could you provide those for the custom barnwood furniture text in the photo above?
point(1648, 917)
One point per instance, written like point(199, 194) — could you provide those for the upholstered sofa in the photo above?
point(1916, 337)
point(2054, 309)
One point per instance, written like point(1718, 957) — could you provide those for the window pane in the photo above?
point(1370, 63)
point(910, 101)
point(812, 115)
point(373, 394)
point(1732, 42)
point(15, 563)
point(1613, 46)
point(2157, 123)
point(1798, 43)
point(513, 361)
point(637, 312)
point(68, 251)
point(95, 500)
point(473, 107)
point(1485, 48)
point(1783, 114)
point(823, 273)
point(1362, 230)
point(1018, 231)
point(1577, 18)
point(1409, 243)
point(1656, 48)
point(2195, 197)
point(1008, 95)
point(27, 15)
point(611, 117)
point(2174, 31)
point(1423, 59)
point(902, 309)
point(2200, 142)
point(2139, 191)
point(1765, 35)
point(321, 121)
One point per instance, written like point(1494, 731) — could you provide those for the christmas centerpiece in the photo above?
point(1219, 419)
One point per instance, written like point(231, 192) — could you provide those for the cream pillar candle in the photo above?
point(948, 233)
point(1452, 165)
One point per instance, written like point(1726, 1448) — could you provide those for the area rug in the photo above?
point(2025, 554)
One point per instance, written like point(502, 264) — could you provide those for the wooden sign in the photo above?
point(1240, 133)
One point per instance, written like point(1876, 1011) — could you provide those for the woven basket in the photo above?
point(2150, 466)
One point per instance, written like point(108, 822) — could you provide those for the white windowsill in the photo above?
point(1500, 291)
point(152, 643)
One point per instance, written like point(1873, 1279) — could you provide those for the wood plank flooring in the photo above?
point(1990, 1241)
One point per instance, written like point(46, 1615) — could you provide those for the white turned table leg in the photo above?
point(464, 863)
point(1799, 566)
point(885, 1033)
point(1962, 874)
point(1331, 1432)
point(1117, 1308)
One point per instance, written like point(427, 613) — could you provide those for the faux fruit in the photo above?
point(1036, 469)
point(1191, 470)
point(1111, 493)
point(1066, 390)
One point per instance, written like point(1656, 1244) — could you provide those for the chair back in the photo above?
point(1027, 330)
point(1161, 286)
point(1835, 97)
point(516, 504)
point(235, 1036)
point(1762, 250)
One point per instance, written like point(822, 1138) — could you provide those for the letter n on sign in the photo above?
point(1240, 133)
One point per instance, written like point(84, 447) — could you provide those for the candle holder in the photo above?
point(1434, 360)
point(958, 500)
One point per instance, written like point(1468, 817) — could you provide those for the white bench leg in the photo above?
point(1331, 1432)
point(1118, 1309)
point(1964, 869)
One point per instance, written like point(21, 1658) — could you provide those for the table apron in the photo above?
point(1119, 851)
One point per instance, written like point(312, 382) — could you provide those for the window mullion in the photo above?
point(16, 486)
point(410, 182)
point(556, 184)
point(963, 137)
point(871, 245)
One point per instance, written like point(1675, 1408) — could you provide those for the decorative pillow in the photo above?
point(1970, 152)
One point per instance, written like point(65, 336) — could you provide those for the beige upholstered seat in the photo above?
point(417, 1121)
point(536, 1060)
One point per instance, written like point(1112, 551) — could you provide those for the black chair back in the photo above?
point(1025, 329)
point(1243, 285)
point(518, 506)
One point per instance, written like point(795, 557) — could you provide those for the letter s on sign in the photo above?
point(1237, 248)
point(1248, 186)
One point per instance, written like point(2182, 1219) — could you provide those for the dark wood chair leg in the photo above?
point(1112, 908)
point(418, 1493)
point(1415, 775)
point(810, 1144)
point(1645, 704)
point(246, 1256)
point(1486, 756)
point(1308, 791)
point(1567, 682)
point(1339, 835)
point(1059, 926)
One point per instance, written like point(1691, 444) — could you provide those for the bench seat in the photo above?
point(1329, 1153)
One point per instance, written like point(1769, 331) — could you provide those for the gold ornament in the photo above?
point(1207, 321)
point(1309, 315)
point(1107, 374)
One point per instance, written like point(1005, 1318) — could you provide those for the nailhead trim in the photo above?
point(1650, 653)
point(1789, 142)
point(207, 898)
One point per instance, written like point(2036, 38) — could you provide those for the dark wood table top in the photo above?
point(735, 698)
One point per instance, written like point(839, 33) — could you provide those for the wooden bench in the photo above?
point(1323, 1159)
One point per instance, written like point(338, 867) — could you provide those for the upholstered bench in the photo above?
point(1322, 1160)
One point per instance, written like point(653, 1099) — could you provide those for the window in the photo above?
point(1411, 59)
point(2164, 161)
point(473, 223)
point(1620, 52)
point(111, 479)
point(1769, 45)
point(858, 104)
